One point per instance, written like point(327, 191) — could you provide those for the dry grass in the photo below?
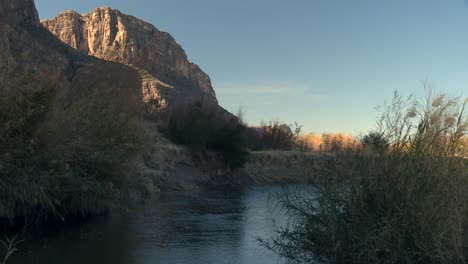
point(10, 247)
point(330, 142)
point(407, 204)
point(56, 163)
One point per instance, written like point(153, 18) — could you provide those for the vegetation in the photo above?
point(60, 163)
point(374, 142)
point(274, 136)
point(330, 142)
point(206, 130)
point(9, 246)
point(405, 204)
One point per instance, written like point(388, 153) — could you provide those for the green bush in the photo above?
point(229, 140)
point(60, 163)
point(201, 129)
point(375, 142)
point(408, 204)
point(274, 136)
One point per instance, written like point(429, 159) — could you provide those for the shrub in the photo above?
point(374, 142)
point(328, 142)
point(274, 136)
point(202, 129)
point(408, 204)
point(339, 142)
point(61, 163)
point(230, 141)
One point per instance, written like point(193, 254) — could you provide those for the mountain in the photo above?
point(111, 35)
point(61, 112)
point(73, 137)
point(32, 58)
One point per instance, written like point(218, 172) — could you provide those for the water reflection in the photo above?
point(219, 226)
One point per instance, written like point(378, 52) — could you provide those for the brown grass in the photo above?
point(407, 204)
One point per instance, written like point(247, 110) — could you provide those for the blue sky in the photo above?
point(325, 64)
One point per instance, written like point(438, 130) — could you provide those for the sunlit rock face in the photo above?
point(146, 63)
point(34, 59)
point(108, 34)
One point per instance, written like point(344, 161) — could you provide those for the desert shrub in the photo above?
point(9, 247)
point(206, 130)
point(339, 142)
point(230, 141)
point(61, 163)
point(329, 142)
point(190, 125)
point(374, 142)
point(408, 204)
point(274, 136)
point(314, 142)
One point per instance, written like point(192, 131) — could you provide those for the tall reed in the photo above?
point(405, 204)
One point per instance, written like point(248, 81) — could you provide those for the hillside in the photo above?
point(111, 35)
point(73, 134)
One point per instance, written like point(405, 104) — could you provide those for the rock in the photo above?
point(32, 59)
point(111, 35)
point(19, 12)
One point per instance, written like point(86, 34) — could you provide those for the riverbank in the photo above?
point(165, 166)
point(162, 166)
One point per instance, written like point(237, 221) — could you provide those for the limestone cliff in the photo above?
point(32, 57)
point(93, 97)
point(108, 34)
point(51, 99)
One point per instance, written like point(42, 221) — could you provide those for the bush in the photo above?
point(408, 204)
point(274, 136)
point(201, 129)
point(330, 142)
point(230, 141)
point(61, 163)
point(374, 142)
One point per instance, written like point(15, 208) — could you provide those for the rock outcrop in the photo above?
point(75, 95)
point(109, 34)
point(32, 57)
point(133, 62)
point(21, 12)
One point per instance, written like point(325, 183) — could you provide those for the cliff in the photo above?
point(111, 35)
point(71, 123)
point(59, 111)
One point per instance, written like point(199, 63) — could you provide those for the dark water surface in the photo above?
point(218, 226)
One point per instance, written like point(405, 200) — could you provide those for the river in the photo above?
point(215, 226)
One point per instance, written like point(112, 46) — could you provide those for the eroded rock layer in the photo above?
point(109, 34)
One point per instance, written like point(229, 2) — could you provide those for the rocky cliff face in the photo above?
point(32, 57)
point(108, 34)
point(19, 12)
point(93, 97)
point(53, 97)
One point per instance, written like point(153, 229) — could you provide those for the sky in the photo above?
point(325, 64)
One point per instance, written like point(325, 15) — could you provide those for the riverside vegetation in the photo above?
point(404, 201)
point(70, 167)
point(400, 197)
point(55, 165)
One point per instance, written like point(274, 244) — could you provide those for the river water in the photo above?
point(215, 226)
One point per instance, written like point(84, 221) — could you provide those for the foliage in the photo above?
point(374, 142)
point(330, 142)
point(408, 204)
point(274, 136)
point(9, 245)
point(201, 129)
point(60, 163)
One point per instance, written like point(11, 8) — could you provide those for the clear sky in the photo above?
point(325, 64)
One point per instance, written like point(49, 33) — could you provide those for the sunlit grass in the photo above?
point(405, 204)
